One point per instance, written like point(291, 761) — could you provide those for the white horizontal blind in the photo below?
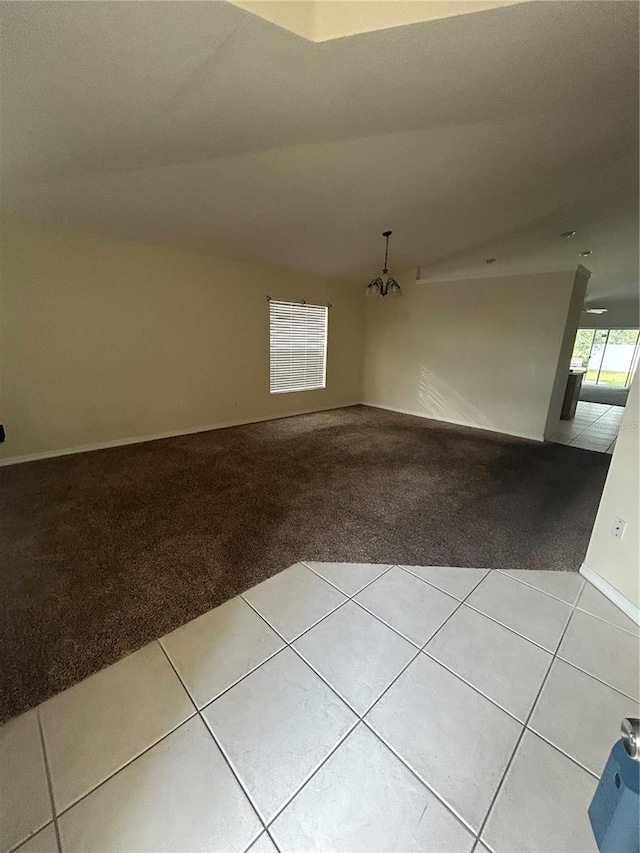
point(298, 346)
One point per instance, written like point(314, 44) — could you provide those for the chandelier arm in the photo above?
point(384, 287)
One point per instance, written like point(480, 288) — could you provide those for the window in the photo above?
point(298, 346)
point(610, 356)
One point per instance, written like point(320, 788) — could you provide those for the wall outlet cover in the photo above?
point(619, 525)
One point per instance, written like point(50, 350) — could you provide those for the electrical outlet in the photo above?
point(619, 525)
point(1, 432)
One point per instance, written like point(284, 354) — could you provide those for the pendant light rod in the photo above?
point(386, 234)
point(380, 287)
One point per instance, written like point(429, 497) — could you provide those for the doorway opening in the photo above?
point(610, 356)
point(606, 361)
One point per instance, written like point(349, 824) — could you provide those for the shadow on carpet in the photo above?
point(102, 552)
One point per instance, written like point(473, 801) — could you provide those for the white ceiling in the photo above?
point(200, 125)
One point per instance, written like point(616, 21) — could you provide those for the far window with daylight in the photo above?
point(610, 356)
point(298, 346)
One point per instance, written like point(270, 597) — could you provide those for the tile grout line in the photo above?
point(224, 755)
point(525, 729)
point(49, 782)
point(369, 709)
point(326, 616)
point(370, 612)
point(581, 432)
point(472, 686)
point(595, 678)
point(467, 826)
point(591, 425)
point(484, 569)
point(438, 796)
point(196, 713)
point(387, 567)
point(613, 624)
point(125, 765)
point(231, 686)
point(360, 718)
point(396, 631)
point(505, 572)
point(513, 631)
point(562, 752)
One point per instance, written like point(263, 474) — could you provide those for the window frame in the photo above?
point(322, 323)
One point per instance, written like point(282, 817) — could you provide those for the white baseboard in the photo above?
point(119, 442)
point(611, 593)
point(528, 436)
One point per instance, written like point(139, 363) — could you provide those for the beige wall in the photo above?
point(617, 561)
point(483, 352)
point(102, 341)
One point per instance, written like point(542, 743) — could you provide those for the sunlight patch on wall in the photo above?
point(324, 20)
point(439, 400)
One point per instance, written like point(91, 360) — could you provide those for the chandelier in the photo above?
point(387, 286)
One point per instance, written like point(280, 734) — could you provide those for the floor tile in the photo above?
point(294, 600)
point(216, 649)
point(542, 805)
point(457, 741)
point(365, 799)
point(594, 602)
point(25, 804)
point(263, 845)
point(597, 435)
point(408, 604)
point(594, 444)
point(349, 577)
point(505, 667)
point(606, 430)
point(580, 715)
point(450, 579)
point(97, 726)
point(178, 796)
point(604, 651)
point(569, 427)
point(276, 726)
point(356, 654)
point(44, 841)
point(536, 616)
point(606, 427)
point(562, 585)
point(613, 412)
point(561, 438)
point(581, 421)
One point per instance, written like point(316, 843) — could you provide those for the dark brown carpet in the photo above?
point(101, 552)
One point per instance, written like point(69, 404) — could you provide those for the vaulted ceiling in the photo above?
point(202, 125)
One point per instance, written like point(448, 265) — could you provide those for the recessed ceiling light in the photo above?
point(586, 253)
point(594, 310)
point(567, 234)
point(490, 260)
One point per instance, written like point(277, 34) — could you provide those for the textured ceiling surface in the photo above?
point(200, 125)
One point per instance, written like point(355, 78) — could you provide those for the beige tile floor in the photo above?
point(338, 707)
point(595, 427)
